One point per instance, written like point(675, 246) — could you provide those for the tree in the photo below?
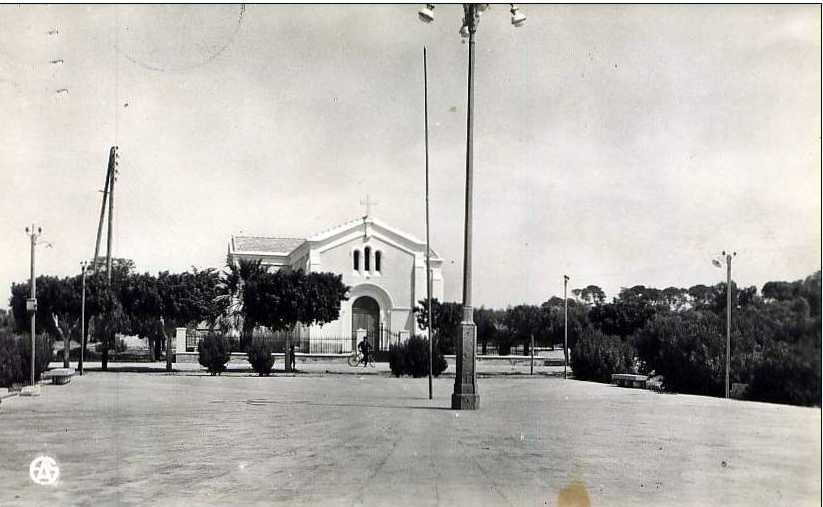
point(592, 294)
point(446, 318)
point(702, 296)
point(488, 326)
point(525, 322)
point(554, 314)
point(787, 374)
point(621, 318)
point(240, 295)
point(283, 299)
point(142, 302)
point(687, 348)
point(675, 298)
point(597, 356)
point(110, 322)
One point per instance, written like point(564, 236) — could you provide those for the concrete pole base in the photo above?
point(465, 401)
point(465, 395)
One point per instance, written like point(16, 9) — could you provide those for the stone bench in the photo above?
point(629, 380)
point(59, 375)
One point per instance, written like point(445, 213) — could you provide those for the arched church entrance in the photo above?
point(365, 314)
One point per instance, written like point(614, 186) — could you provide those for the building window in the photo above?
point(357, 260)
point(367, 259)
point(377, 255)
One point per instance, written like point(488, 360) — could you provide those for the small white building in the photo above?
point(385, 268)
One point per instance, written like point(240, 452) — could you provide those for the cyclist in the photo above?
point(365, 347)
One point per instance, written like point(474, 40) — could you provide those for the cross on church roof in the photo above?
point(368, 203)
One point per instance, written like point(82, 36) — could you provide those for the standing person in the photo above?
point(365, 347)
point(291, 356)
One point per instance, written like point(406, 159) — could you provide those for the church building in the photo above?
point(384, 267)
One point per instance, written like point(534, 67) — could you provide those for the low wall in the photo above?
point(240, 357)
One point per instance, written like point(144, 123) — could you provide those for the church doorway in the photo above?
point(365, 314)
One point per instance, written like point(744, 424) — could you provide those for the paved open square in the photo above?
point(371, 439)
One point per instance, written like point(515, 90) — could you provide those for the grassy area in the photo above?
point(157, 439)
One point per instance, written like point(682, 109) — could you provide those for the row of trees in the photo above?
point(678, 333)
point(246, 295)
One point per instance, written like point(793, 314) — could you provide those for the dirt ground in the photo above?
point(370, 439)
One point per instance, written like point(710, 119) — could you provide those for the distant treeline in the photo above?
point(674, 332)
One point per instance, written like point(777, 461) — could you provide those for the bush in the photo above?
point(259, 355)
point(42, 355)
point(596, 356)
point(688, 349)
point(412, 358)
point(10, 369)
point(787, 374)
point(214, 352)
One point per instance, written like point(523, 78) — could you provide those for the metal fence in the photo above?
point(381, 340)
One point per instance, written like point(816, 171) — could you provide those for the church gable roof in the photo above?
point(374, 224)
point(261, 244)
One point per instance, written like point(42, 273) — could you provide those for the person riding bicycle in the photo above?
point(365, 347)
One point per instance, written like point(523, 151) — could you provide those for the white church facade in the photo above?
point(384, 267)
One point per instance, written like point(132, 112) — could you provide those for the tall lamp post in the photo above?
point(727, 257)
point(465, 395)
point(83, 266)
point(31, 304)
point(565, 325)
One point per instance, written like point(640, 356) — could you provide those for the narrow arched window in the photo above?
point(357, 260)
point(377, 255)
point(367, 258)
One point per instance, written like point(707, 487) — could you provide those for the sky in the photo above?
point(618, 144)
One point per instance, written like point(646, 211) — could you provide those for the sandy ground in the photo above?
point(320, 438)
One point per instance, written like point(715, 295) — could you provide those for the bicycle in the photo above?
point(356, 358)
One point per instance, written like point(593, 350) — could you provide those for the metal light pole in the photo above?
point(465, 395)
point(565, 325)
point(31, 304)
point(728, 258)
point(428, 246)
point(83, 266)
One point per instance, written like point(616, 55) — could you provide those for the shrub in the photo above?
point(10, 369)
point(259, 355)
point(213, 353)
point(412, 358)
point(787, 374)
point(42, 355)
point(688, 349)
point(596, 356)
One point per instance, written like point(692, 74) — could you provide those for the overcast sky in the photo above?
point(621, 145)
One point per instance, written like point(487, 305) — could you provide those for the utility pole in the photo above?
point(31, 304)
point(565, 325)
point(102, 210)
point(112, 178)
point(728, 258)
point(728, 315)
point(531, 348)
point(83, 265)
point(428, 246)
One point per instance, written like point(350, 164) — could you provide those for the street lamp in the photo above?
point(727, 257)
point(565, 325)
point(83, 266)
point(465, 395)
point(31, 304)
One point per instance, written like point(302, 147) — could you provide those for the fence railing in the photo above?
point(381, 340)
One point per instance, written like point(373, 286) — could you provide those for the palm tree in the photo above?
point(238, 278)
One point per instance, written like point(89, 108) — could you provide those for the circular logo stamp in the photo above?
point(44, 470)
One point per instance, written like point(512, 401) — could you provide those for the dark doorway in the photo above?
point(365, 314)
